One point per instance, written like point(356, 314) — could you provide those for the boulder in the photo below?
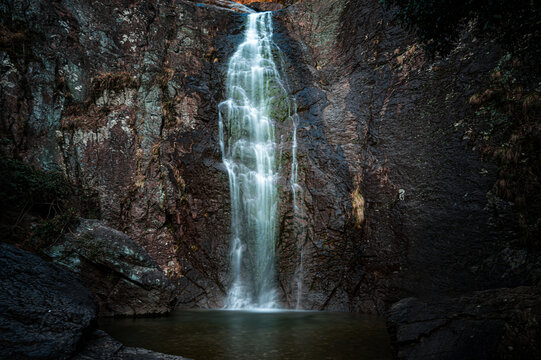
point(45, 311)
point(125, 279)
point(492, 324)
point(102, 346)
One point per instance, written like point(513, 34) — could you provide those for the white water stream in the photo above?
point(248, 144)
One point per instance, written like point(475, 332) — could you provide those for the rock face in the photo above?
point(101, 347)
point(491, 324)
point(123, 96)
point(265, 6)
point(45, 311)
point(125, 279)
point(395, 202)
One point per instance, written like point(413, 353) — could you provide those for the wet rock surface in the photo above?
point(265, 6)
point(124, 278)
point(45, 311)
point(396, 201)
point(101, 346)
point(123, 96)
point(229, 5)
point(491, 324)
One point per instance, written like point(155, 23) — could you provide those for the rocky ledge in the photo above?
point(102, 346)
point(125, 279)
point(47, 313)
point(493, 324)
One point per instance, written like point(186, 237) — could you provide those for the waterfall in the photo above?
point(295, 187)
point(294, 165)
point(247, 120)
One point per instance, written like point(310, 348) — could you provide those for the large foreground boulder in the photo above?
point(45, 311)
point(493, 324)
point(125, 279)
point(101, 346)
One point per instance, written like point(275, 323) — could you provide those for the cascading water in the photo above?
point(295, 187)
point(247, 139)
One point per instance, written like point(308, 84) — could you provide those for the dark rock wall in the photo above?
point(491, 324)
point(320, 244)
point(102, 346)
point(397, 201)
point(45, 312)
point(122, 96)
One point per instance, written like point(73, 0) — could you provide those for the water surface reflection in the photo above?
point(218, 334)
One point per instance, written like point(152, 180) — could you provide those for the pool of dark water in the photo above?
point(222, 334)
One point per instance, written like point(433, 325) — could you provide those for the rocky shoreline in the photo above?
point(47, 313)
point(490, 324)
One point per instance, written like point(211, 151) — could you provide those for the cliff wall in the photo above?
point(396, 198)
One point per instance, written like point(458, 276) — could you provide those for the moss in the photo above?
point(38, 206)
point(16, 41)
point(280, 107)
point(48, 231)
point(20, 183)
point(88, 115)
point(163, 78)
point(357, 203)
point(506, 127)
point(112, 81)
point(93, 246)
point(169, 110)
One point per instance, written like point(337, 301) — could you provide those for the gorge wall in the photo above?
point(399, 200)
point(395, 201)
point(123, 98)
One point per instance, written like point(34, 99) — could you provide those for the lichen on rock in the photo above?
point(125, 279)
